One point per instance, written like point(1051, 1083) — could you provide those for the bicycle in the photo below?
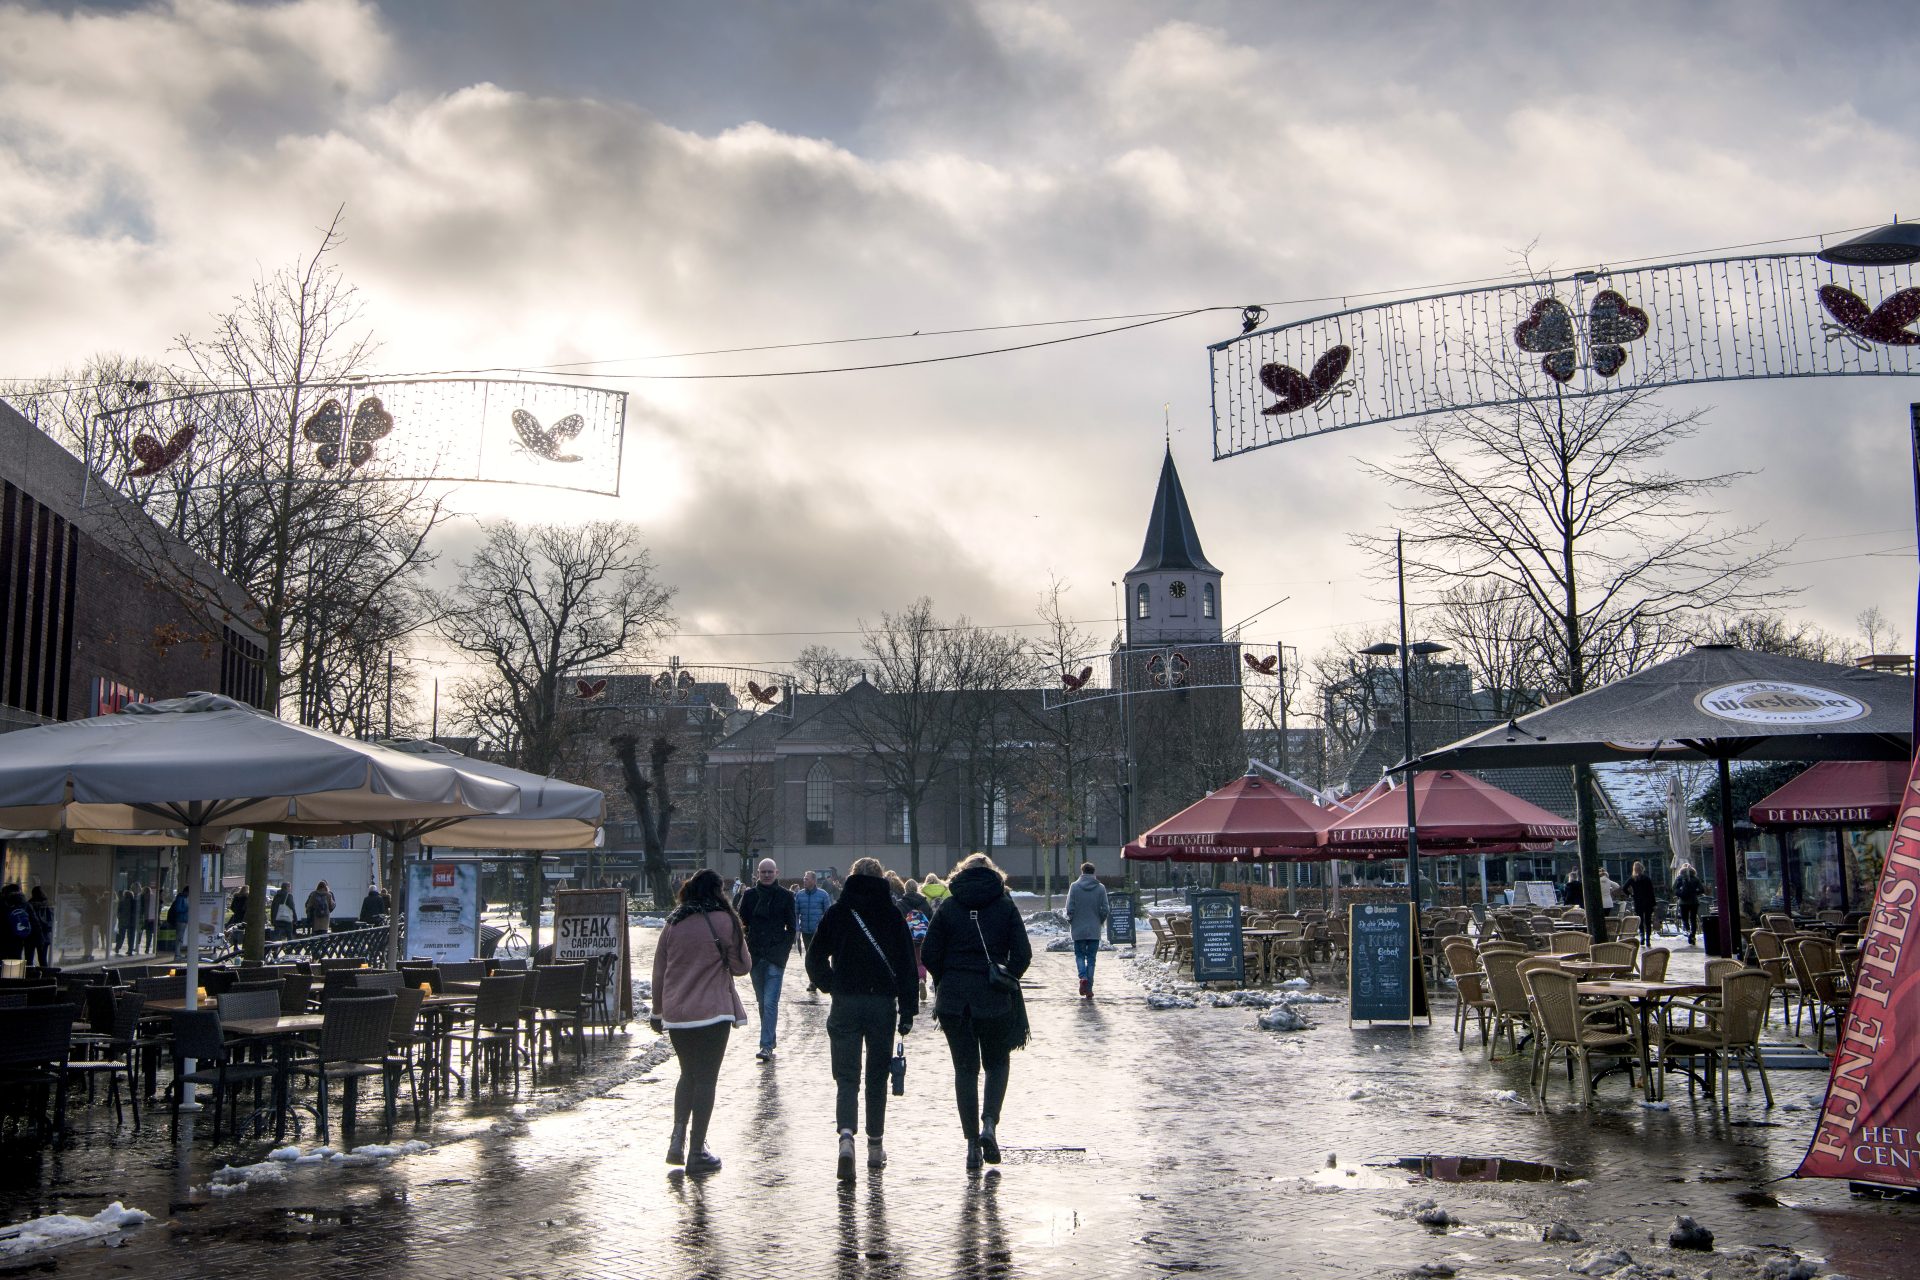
point(511, 944)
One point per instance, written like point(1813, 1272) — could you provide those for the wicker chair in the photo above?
point(1569, 942)
point(1162, 938)
point(111, 1048)
point(1727, 1027)
point(353, 1047)
point(1818, 966)
point(1577, 1030)
point(1653, 964)
point(1511, 1011)
point(493, 1037)
point(197, 1035)
point(1470, 986)
point(1621, 952)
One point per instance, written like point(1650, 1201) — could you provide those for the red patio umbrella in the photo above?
point(1251, 819)
point(1450, 809)
point(1835, 793)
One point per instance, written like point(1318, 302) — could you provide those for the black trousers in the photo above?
point(1690, 916)
point(1646, 928)
point(975, 1045)
point(856, 1023)
point(700, 1050)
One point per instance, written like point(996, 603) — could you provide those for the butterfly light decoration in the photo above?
point(765, 697)
point(1168, 669)
point(1298, 390)
point(546, 442)
point(1548, 332)
point(155, 457)
point(1890, 324)
point(1262, 666)
point(371, 422)
point(1075, 683)
point(588, 690)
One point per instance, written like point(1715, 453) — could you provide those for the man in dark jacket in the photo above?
point(863, 957)
point(768, 912)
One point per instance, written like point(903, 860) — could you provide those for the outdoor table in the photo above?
point(1643, 996)
point(441, 1010)
point(279, 1031)
point(1594, 970)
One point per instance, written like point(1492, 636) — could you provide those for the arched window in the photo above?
point(1143, 602)
point(819, 804)
point(1206, 600)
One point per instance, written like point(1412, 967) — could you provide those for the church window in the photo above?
point(1143, 602)
point(819, 804)
point(1206, 601)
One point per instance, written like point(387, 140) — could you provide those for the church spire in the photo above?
point(1172, 541)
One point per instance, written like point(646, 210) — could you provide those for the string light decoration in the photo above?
point(681, 692)
point(1170, 668)
point(1786, 315)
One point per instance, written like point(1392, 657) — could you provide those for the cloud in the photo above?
point(994, 164)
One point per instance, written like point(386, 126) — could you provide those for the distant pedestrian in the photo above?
point(1609, 892)
point(40, 947)
point(701, 951)
point(767, 910)
point(1640, 897)
point(1573, 893)
point(810, 906)
point(919, 915)
point(863, 958)
point(149, 916)
point(177, 918)
point(282, 913)
point(1687, 889)
point(975, 948)
point(319, 909)
point(1087, 913)
point(237, 909)
point(128, 922)
point(933, 891)
point(372, 907)
point(16, 924)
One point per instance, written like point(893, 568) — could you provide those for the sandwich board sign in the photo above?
point(588, 924)
point(1384, 980)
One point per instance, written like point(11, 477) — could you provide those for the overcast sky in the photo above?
point(528, 184)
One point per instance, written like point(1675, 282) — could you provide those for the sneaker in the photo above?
point(765, 1054)
point(846, 1156)
point(973, 1155)
point(876, 1154)
point(703, 1161)
point(1086, 987)
point(989, 1143)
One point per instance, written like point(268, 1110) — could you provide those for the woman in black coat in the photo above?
point(1639, 888)
point(977, 922)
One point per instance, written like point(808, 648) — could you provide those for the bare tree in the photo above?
point(1879, 634)
point(1767, 632)
point(744, 803)
point(988, 673)
point(1076, 756)
point(538, 605)
point(1564, 506)
point(820, 669)
point(1496, 636)
point(653, 807)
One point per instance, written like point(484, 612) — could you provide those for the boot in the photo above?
point(1086, 987)
point(989, 1142)
point(704, 1161)
point(973, 1155)
point(876, 1154)
point(677, 1144)
point(846, 1155)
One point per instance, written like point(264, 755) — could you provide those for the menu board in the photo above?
point(1120, 918)
point(1218, 950)
point(589, 923)
point(1384, 981)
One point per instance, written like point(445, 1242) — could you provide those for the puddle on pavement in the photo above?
point(1757, 1199)
point(1480, 1169)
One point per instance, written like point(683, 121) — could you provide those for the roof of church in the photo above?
point(1172, 541)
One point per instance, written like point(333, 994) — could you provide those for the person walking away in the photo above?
point(862, 957)
point(1640, 896)
point(976, 945)
point(1609, 892)
point(40, 946)
point(702, 949)
point(919, 914)
point(933, 891)
point(810, 906)
point(320, 909)
point(1087, 913)
point(237, 909)
point(1573, 893)
point(16, 925)
point(149, 917)
point(177, 917)
point(129, 916)
point(1687, 890)
point(282, 912)
point(373, 908)
point(767, 910)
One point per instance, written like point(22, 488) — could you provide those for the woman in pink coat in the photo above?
point(702, 950)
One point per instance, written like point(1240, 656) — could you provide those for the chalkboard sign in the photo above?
point(1384, 979)
point(1218, 954)
point(1120, 921)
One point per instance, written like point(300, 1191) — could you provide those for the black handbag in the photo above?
point(997, 976)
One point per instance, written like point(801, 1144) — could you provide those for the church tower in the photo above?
point(1173, 593)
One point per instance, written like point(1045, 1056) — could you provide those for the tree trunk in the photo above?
point(653, 806)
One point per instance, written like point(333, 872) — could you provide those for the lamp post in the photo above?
point(1406, 652)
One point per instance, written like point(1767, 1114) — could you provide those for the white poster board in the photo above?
point(443, 911)
point(589, 923)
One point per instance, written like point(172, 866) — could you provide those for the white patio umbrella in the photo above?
point(203, 761)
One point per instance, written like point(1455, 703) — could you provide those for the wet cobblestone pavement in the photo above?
point(1140, 1142)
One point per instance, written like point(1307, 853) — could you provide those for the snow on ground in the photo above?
point(61, 1228)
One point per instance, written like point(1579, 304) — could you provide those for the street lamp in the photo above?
point(1894, 245)
point(1406, 652)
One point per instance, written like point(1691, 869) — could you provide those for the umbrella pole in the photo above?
point(191, 877)
point(1727, 892)
point(393, 897)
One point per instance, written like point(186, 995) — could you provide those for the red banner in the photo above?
point(1869, 1129)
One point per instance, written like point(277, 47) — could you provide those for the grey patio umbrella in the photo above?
point(1716, 703)
point(203, 761)
point(552, 815)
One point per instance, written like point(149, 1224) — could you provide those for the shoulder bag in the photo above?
point(997, 976)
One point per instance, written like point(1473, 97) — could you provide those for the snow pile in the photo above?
point(1283, 1018)
point(650, 922)
point(1509, 1097)
point(1047, 922)
point(62, 1228)
point(233, 1179)
point(1602, 1263)
point(1559, 1232)
point(1064, 943)
point(1169, 1000)
point(1429, 1214)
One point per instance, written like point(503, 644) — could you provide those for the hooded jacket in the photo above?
point(842, 962)
point(952, 951)
point(1087, 909)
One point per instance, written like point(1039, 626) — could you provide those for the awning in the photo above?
point(1449, 808)
point(1837, 793)
point(1251, 819)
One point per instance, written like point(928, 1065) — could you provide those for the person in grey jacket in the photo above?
point(1087, 914)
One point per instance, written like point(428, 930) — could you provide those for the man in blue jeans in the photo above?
point(767, 909)
point(1087, 913)
point(811, 903)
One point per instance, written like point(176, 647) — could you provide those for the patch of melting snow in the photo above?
point(1283, 1018)
point(63, 1228)
point(1356, 1178)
